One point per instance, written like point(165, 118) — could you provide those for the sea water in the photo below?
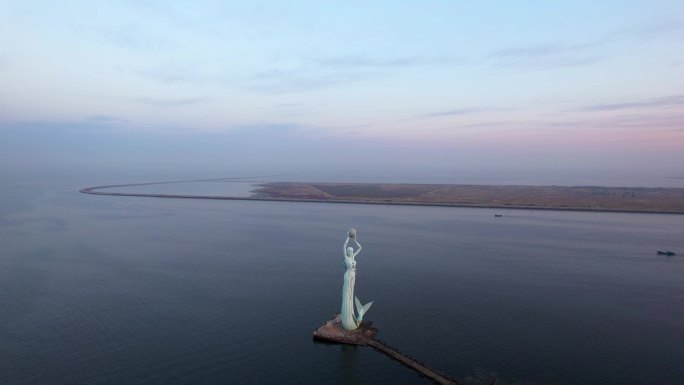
point(114, 290)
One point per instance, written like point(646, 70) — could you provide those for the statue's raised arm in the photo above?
point(359, 247)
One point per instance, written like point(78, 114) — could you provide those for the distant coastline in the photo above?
point(653, 200)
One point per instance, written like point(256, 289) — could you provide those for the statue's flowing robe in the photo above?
point(347, 313)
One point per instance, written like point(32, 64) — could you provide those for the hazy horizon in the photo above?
point(566, 94)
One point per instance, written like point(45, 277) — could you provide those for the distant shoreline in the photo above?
point(641, 200)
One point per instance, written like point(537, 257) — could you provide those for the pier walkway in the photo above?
point(332, 331)
point(405, 360)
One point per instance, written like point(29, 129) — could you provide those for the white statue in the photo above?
point(349, 320)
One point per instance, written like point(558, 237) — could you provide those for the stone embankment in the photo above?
point(332, 331)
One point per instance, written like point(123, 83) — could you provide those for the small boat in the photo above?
point(668, 253)
point(498, 215)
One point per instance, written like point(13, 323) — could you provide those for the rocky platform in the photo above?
point(332, 331)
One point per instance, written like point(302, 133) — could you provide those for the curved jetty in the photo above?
point(654, 200)
point(332, 331)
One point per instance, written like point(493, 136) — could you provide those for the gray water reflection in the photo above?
point(142, 291)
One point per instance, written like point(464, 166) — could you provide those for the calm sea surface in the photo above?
point(120, 290)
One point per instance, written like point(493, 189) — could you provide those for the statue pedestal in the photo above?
point(332, 331)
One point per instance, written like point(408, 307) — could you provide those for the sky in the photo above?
point(540, 92)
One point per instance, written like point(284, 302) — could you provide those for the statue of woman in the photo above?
point(349, 320)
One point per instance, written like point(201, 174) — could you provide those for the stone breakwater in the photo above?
point(332, 331)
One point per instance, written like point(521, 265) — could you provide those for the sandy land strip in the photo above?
point(567, 198)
